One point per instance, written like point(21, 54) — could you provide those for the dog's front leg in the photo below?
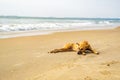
point(94, 51)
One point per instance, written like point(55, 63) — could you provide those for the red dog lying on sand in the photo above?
point(81, 48)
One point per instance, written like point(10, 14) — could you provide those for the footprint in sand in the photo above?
point(87, 78)
point(105, 72)
point(18, 64)
point(110, 63)
point(56, 72)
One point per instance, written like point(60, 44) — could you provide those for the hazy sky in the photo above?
point(61, 8)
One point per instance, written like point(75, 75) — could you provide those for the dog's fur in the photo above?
point(80, 48)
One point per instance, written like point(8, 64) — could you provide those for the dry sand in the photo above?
point(26, 58)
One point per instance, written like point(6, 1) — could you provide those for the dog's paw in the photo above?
point(97, 53)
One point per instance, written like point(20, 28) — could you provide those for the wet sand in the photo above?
point(27, 58)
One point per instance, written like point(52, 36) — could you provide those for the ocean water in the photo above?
point(23, 26)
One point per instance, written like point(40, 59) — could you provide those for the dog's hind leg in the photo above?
point(60, 50)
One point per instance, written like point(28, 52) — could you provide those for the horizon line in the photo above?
point(16, 16)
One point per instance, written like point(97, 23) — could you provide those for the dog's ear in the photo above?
point(85, 42)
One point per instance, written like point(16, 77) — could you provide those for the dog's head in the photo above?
point(83, 45)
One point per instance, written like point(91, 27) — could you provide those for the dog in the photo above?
point(81, 48)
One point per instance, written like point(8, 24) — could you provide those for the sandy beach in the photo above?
point(27, 58)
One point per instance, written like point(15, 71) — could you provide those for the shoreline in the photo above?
point(14, 34)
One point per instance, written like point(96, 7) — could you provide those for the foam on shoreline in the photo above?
point(13, 34)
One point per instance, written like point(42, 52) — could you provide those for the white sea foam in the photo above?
point(10, 27)
point(49, 26)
